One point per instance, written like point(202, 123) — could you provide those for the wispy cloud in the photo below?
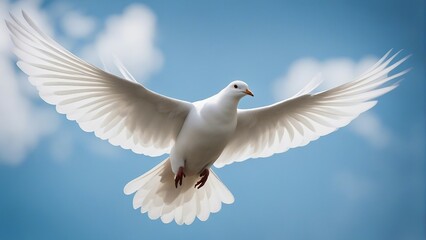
point(22, 123)
point(369, 126)
point(353, 187)
point(334, 72)
point(78, 25)
point(129, 37)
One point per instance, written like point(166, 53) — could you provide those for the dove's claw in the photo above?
point(204, 176)
point(179, 177)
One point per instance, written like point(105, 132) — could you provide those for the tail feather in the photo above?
point(203, 212)
point(156, 194)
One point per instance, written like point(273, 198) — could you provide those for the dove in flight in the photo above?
point(196, 135)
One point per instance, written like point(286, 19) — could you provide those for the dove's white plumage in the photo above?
point(196, 135)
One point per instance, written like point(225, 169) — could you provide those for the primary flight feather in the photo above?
point(197, 135)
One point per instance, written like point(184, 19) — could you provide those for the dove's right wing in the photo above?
point(264, 131)
point(124, 112)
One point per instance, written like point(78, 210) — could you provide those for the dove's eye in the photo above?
point(235, 86)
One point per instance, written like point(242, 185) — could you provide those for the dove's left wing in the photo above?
point(295, 122)
point(123, 112)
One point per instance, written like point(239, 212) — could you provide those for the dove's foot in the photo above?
point(179, 177)
point(204, 176)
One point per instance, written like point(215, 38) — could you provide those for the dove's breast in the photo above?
point(203, 137)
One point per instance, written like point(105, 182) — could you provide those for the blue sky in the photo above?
point(366, 181)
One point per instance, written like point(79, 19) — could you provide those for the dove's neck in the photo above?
point(220, 109)
point(228, 102)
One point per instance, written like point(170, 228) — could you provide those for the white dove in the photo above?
point(197, 135)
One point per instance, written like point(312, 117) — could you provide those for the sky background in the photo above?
point(365, 181)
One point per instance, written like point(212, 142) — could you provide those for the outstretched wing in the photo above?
point(262, 132)
point(124, 112)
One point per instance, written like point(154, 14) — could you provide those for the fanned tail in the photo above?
point(157, 195)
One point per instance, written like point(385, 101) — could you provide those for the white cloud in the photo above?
point(353, 187)
point(4, 38)
point(369, 126)
point(298, 75)
point(130, 37)
point(334, 72)
point(62, 147)
point(78, 25)
point(22, 124)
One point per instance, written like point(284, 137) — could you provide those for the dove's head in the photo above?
point(238, 89)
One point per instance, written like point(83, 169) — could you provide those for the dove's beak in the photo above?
point(248, 92)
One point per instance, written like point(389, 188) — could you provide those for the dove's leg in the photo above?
point(178, 166)
point(204, 176)
point(179, 177)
